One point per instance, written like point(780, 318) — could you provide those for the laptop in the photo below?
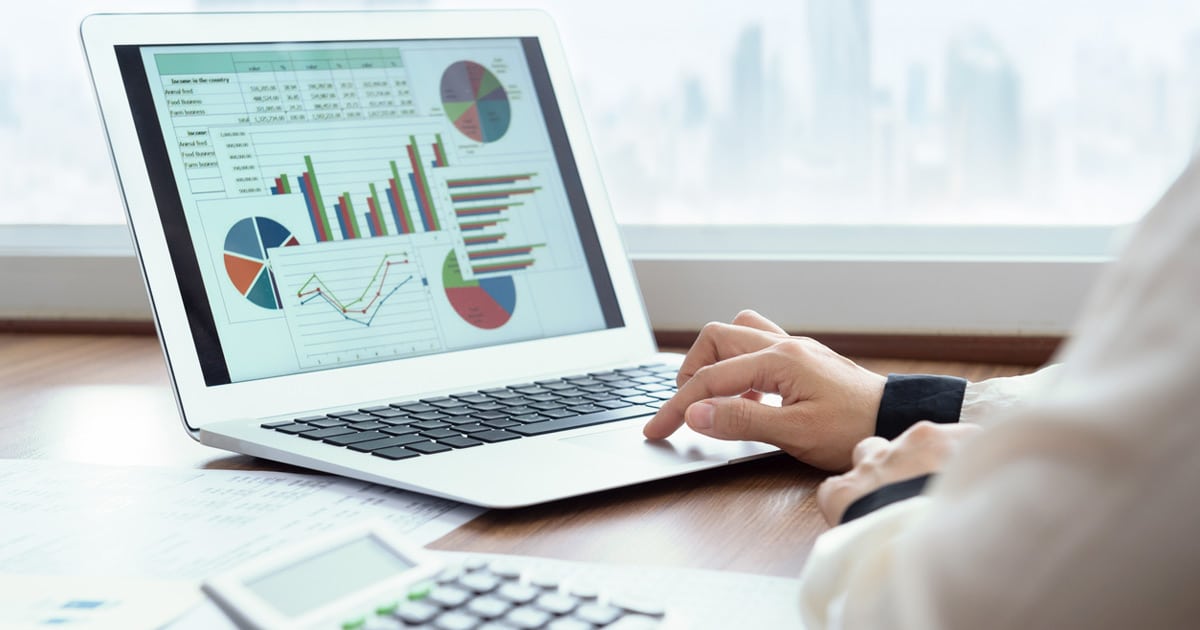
point(377, 244)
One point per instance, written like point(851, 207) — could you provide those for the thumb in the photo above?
point(733, 418)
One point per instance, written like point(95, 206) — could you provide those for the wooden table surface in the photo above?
point(81, 398)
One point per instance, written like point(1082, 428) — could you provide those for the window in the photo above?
point(872, 130)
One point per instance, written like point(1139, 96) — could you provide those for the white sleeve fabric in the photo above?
point(1079, 509)
point(990, 401)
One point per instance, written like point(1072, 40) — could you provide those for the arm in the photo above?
point(1079, 509)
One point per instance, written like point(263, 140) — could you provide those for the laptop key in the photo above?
point(559, 413)
point(640, 400)
point(611, 415)
point(518, 411)
point(501, 393)
point(388, 413)
point(426, 425)
point(369, 425)
point(395, 452)
point(310, 418)
point(429, 415)
point(500, 424)
point(280, 423)
point(384, 442)
point(321, 434)
point(351, 438)
point(352, 416)
point(542, 406)
point(487, 406)
point(414, 407)
point(428, 448)
point(471, 428)
point(438, 434)
point(325, 423)
point(293, 428)
point(491, 415)
point(495, 435)
point(458, 411)
point(472, 398)
point(460, 442)
point(526, 418)
point(613, 404)
point(400, 430)
point(586, 409)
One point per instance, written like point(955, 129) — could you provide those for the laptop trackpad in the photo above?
point(684, 447)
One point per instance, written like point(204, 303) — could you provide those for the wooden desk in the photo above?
point(81, 397)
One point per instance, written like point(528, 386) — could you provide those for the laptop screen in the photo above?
point(330, 204)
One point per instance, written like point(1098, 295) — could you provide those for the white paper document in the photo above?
point(59, 518)
point(34, 602)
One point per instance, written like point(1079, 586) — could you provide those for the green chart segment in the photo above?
point(475, 101)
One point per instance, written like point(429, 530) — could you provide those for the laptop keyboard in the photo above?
point(428, 426)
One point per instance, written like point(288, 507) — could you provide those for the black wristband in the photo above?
point(885, 496)
point(910, 398)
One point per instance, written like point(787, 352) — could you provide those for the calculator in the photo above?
point(368, 577)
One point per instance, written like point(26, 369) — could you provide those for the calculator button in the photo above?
point(449, 596)
point(416, 612)
point(527, 617)
point(635, 622)
point(638, 606)
point(454, 620)
point(354, 624)
point(479, 582)
point(506, 570)
point(384, 623)
point(599, 614)
point(569, 623)
point(488, 607)
point(518, 593)
point(556, 603)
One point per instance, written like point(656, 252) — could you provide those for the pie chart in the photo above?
point(246, 247)
point(475, 102)
point(486, 303)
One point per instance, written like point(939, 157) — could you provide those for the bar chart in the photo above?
point(381, 187)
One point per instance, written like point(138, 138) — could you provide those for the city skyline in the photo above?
point(828, 111)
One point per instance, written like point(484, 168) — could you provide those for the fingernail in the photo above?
point(700, 416)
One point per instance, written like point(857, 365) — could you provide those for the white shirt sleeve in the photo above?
point(992, 400)
point(1079, 509)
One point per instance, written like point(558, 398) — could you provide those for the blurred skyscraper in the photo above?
point(840, 53)
point(741, 140)
point(983, 118)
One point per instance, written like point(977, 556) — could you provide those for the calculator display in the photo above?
point(312, 582)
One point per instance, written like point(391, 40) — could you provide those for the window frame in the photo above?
point(899, 279)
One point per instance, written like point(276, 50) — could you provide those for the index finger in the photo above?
point(719, 341)
point(730, 377)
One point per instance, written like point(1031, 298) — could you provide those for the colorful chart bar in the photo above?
point(506, 266)
point(479, 225)
point(282, 185)
point(488, 181)
point(421, 186)
point(439, 153)
point(483, 239)
point(491, 195)
point(480, 210)
point(501, 252)
point(375, 216)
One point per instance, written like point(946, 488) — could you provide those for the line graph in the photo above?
point(316, 289)
point(356, 301)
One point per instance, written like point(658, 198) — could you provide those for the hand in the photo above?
point(920, 450)
point(829, 403)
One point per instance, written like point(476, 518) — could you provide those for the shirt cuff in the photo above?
point(884, 496)
point(910, 398)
